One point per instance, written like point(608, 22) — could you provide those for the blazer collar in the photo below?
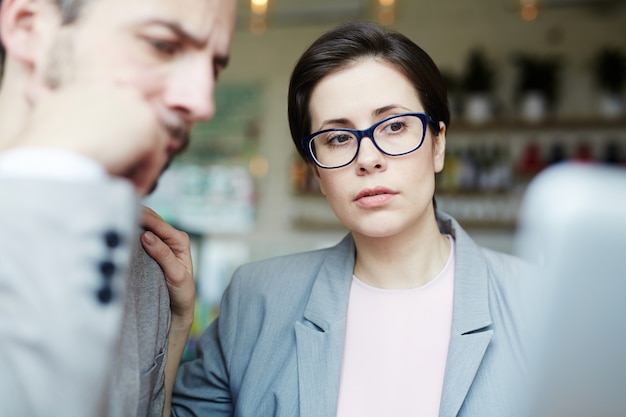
point(320, 336)
point(471, 318)
point(329, 295)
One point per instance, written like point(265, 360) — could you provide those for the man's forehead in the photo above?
point(193, 16)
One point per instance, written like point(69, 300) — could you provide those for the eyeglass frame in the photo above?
point(369, 133)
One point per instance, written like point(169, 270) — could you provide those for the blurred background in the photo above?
point(531, 83)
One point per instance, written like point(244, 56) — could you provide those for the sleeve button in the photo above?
point(107, 268)
point(105, 295)
point(112, 239)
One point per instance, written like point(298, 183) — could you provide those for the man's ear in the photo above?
point(439, 148)
point(25, 25)
point(17, 28)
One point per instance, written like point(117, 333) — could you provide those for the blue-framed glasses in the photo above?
point(395, 135)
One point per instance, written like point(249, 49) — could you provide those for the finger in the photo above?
point(177, 240)
point(178, 276)
point(174, 271)
point(150, 218)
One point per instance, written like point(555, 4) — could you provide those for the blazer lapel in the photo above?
point(471, 319)
point(320, 336)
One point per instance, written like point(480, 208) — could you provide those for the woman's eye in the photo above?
point(395, 127)
point(338, 139)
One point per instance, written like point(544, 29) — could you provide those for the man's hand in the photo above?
point(171, 249)
point(111, 125)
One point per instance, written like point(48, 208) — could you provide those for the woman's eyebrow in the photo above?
point(385, 109)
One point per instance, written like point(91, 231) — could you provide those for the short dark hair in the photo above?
point(346, 44)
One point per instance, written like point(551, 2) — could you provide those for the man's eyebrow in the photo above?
point(178, 30)
point(220, 60)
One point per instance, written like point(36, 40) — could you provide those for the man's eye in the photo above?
point(165, 47)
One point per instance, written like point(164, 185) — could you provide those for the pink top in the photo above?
point(396, 347)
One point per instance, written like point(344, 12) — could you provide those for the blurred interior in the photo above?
point(242, 193)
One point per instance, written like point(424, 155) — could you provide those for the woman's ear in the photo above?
point(439, 148)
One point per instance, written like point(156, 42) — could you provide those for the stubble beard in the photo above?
point(60, 68)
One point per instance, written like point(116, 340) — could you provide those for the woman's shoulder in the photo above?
point(292, 269)
point(506, 264)
point(285, 264)
point(500, 264)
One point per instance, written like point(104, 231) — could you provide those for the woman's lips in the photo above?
point(376, 197)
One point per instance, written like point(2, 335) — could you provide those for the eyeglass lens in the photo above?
point(394, 136)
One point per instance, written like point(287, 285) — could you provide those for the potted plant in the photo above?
point(609, 65)
point(537, 85)
point(477, 83)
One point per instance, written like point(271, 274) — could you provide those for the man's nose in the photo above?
point(191, 89)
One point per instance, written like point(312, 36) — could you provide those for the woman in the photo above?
point(405, 316)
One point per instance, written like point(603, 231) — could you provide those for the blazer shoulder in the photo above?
point(507, 268)
point(514, 284)
point(284, 267)
point(294, 272)
point(503, 262)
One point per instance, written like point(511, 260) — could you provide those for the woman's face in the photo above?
point(376, 195)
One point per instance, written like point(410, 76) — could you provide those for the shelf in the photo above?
point(550, 124)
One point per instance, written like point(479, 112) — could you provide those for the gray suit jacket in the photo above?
point(52, 245)
point(276, 348)
point(137, 385)
point(63, 246)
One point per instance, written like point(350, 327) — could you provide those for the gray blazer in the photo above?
point(276, 348)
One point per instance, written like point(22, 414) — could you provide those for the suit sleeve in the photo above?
point(64, 254)
point(203, 385)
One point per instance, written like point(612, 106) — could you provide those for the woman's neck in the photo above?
point(407, 260)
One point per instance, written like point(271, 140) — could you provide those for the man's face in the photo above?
point(170, 50)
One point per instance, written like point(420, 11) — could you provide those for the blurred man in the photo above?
point(97, 96)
